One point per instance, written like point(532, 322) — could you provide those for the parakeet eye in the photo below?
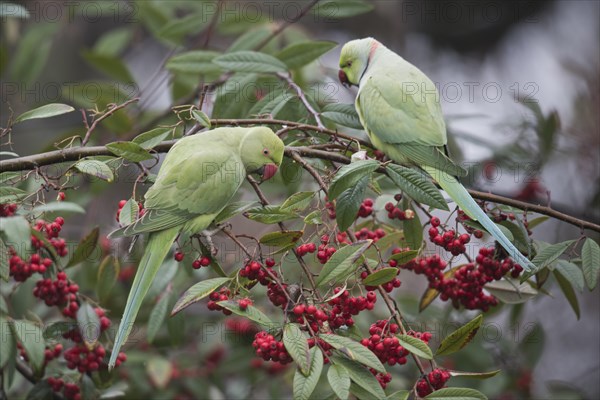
point(349, 63)
point(266, 151)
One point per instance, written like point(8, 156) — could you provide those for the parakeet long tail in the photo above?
point(156, 250)
point(463, 199)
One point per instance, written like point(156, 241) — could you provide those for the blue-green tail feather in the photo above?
point(463, 199)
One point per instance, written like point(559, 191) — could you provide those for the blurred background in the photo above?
point(519, 83)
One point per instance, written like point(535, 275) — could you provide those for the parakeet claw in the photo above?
point(207, 234)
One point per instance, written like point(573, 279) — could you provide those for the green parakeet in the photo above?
point(398, 105)
point(198, 178)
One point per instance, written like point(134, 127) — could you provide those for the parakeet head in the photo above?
point(354, 60)
point(262, 152)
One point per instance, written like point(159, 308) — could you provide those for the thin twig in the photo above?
point(112, 108)
point(288, 79)
point(310, 170)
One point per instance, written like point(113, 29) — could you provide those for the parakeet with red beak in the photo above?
point(198, 178)
point(398, 105)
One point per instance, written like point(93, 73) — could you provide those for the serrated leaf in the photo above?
point(354, 351)
point(431, 294)
point(250, 61)
point(31, 338)
point(453, 393)
point(160, 371)
point(269, 214)
point(296, 344)
point(416, 346)
point(511, 291)
point(85, 248)
point(348, 204)
point(360, 393)
point(151, 138)
point(299, 54)
point(88, 323)
point(475, 375)
point(233, 209)
point(47, 111)
point(341, 263)
point(590, 262)
point(108, 273)
point(460, 337)
point(342, 114)
point(129, 150)
point(404, 256)
point(9, 176)
point(549, 254)
point(339, 380)
point(252, 313)
point(157, 317)
point(281, 238)
point(58, 206)
point(193, 62)
point(570, 295)
point(380, 277)
point(570, 272)
point(349, 175)
point(95, 168)
point(416, 186)
point(336, 9)
point(17, 234)
point(201, 118)
point(129, 213)
point(303, 386)
point(314, 218)
point(297, 202)
point(361, 376)
point(197, 292)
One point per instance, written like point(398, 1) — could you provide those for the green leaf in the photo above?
point(213, 261)
point(31, 338)
point(399, 395)
point(569, 293)
point(12, 10)
point(159, 370)
point(460, 337)
point(58, 206)
point(157, 317)
point(41, 391)
point(85, 248)
point(32, 53)
point(296, 344)
point(417, 186)
point(337, 9)
point(416, 346)
point(151, 138)
point(590, 257)
point(349, 175)
point(394, 238)
point(55, 331)
point(9, 176)
point(570, 272)
point(176, 29)
point(17, 233)
point(108, 273)
point(300, 54)
point(361, 376)
point(4, 262)
point(8, 346)
point(341, 263)
point(550, 254)
point(113, 42)
point(201, 118)
point(339, 380)
point(112, 66)
point(269, 214)
point(520, 238)
point(535, 222)
point(510, 291)
point(456, 394)
point(129, 213)
point(250, 61)
point(233, 209)
point(354, 351)
point(475, 375)
point(88, 323)
point(250, 39)
point(314, 218)
point(9, 194)
point(404, 256)
point(304, 385)
point(193, 62)
point(129, 150)
point(380, 277)
point(95, 168)
point(348, 204)
point(413, 230)
point(47, 111)
point(281, 238)
point(360, 393)
point(197, 292)
point(342, 114)
point(297, 202)
point(252, 313)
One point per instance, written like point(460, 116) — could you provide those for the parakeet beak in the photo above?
point(266, 172)
point(344, 78)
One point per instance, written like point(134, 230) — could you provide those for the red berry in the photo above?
point(179, 256)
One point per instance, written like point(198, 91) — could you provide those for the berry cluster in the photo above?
point(122, 203)
point(366, 208)
point(84, 359)
point(276, 294)
point(50, 353)
point(324, 252)
point(244, 303)
point(70, 390)
point(51, 231)
point(222, 295)
point(58, 293)
point(305, 248)
point(314, 316)
point(270, 349)
point(382, 378)
point(253, 270)
point(437, 378)
point(201, 262)
point(330, 207)
point(449, 239)
point(385, 344)
point(21, 270)
point(8, 210)
point(365, 233)
point(396, 213)
point(345, 306)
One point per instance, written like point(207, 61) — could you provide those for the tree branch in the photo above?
point(112, 108)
